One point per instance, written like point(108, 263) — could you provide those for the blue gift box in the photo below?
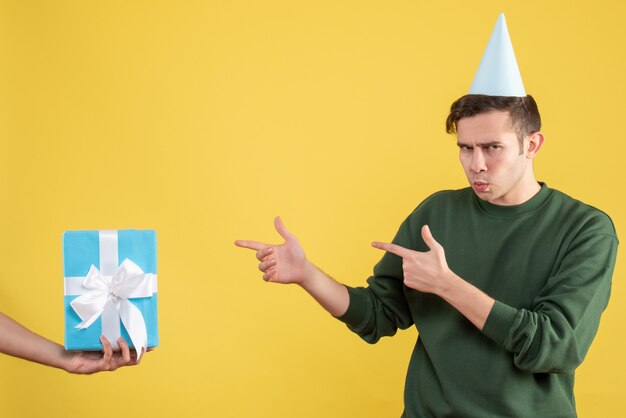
point(105, 250)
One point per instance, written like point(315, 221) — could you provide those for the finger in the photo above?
point(282, 230)
point(108, 353)
point(253, 245)
point(269, 274)
point(392, 248)
point(125, 351)
point(263, 253)
point(264, 266)
point(428, 238)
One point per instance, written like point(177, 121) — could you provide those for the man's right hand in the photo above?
point(286, 263)
point(280, 263)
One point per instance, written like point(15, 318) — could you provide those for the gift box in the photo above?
point(110, 288)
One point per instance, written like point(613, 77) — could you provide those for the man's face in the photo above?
point(496, 168)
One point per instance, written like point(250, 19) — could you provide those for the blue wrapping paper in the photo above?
point(81, 250)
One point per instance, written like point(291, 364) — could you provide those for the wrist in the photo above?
point(448, 284)
point(308, 274)
point(54, 355)
point(469, 300)
point(63, 359)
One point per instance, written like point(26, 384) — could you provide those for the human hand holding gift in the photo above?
point(114, 300)
point(88, 362)
point(18, 341)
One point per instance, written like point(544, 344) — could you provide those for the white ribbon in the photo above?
point(111, 293)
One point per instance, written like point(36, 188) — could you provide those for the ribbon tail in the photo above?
point(135, 325)
point(88, 307)
point(87, 322)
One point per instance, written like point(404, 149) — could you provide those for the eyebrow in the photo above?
point(486, 144)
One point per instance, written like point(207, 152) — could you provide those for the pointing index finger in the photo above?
point(392, 248)
point(253, 245)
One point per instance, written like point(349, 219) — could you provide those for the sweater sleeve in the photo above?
point(381, 308)
point(555, 334)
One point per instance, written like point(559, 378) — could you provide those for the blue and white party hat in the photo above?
point(498, 74)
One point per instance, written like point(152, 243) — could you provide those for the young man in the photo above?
point(505, 280)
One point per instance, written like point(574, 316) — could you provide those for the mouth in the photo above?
point(480, 186)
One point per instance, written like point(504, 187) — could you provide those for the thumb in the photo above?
point(429, 239)
point(282, 229)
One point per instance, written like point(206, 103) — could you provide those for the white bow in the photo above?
point(129, 281)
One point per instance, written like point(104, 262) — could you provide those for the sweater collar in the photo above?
point(515, 210)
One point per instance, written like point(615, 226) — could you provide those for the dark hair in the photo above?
point(523, 111)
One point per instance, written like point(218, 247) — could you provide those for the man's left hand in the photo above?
point(427, 272)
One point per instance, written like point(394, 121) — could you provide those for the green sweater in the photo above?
point(548, 263)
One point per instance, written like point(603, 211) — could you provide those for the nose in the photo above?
point(478, 161)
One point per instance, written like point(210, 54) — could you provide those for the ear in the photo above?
point(535, 141)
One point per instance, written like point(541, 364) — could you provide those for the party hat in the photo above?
point(498, 74)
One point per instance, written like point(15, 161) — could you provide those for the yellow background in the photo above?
point(203, 120)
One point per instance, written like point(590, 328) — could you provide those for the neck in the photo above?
point(528, 187)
